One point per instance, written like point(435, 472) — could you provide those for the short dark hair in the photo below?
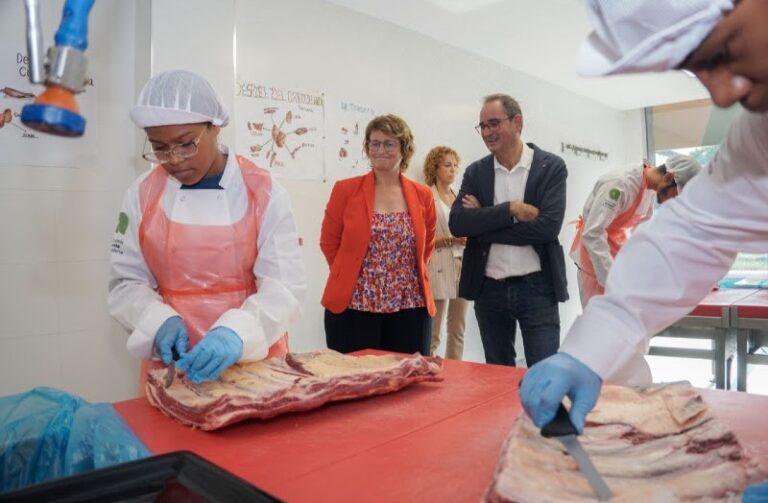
point(510, 104)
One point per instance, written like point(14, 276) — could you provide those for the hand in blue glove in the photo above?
point(172, 333)
point(549, 381)
point(756, 493)
point(217, 351)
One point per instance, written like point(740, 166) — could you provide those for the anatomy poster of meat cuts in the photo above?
point(345, 123)
point(20, 145)
point(280, 129)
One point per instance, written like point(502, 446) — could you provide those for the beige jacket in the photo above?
point(444, 269)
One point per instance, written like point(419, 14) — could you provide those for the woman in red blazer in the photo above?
point(378, 234)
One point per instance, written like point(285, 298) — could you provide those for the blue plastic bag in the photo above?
point(46, 434)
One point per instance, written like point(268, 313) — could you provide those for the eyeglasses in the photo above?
point(388, 145)
point(665, 193)
point(180, 151)
point(490, 124)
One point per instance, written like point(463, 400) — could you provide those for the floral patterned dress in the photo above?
point(389, 280)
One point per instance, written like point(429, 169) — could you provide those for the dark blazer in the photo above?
point(545, 189)
point(346, 231)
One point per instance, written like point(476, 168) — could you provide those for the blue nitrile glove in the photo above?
point(216, 352)
point(756, 493)
point(172, 333)
point(549, 381)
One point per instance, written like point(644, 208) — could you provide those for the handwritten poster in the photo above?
point(345, 134)
point(280, 129)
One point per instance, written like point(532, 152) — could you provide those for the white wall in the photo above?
point(56, 229)
point(55, 328)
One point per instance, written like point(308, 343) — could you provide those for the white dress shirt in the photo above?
point(279, 268)
point(672, 262)
point(509, 185)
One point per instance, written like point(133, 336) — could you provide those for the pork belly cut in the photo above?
point(655, 444)
point(295, 382)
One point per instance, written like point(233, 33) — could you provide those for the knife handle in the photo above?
point(175, 354)
point(560, 426)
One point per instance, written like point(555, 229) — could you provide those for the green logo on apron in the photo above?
point(614, 194)
point(122, 223)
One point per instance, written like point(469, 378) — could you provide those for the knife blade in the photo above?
point(171, 372)
point(562, 429)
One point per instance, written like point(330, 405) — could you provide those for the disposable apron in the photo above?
point(203, 270)
point(617, 234)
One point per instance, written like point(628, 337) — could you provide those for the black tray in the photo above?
point(176, 477)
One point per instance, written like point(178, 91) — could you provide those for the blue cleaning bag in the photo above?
point(47, 433)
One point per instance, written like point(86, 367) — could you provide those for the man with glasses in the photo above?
point(511, 207)
point(619, 202)
point(206, 264)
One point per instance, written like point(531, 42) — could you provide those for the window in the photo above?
point(696, 129)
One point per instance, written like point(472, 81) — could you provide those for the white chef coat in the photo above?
point(509, 185)
point(672, 262)
point(614, 193)
point(279, 268)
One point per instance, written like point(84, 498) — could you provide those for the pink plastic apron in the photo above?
point(203, 270)
point(617, 235)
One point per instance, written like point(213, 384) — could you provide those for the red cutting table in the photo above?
point(718, 302)
point(714, 312)
point(429, 442)
point(754, 307)
point(749, 316)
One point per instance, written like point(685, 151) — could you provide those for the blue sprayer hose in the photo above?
point(73, 30)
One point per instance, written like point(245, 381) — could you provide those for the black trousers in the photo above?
point(406, 331)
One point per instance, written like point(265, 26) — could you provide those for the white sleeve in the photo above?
point(133, 299)
point(672, 262)
point(280, 279)
point(607, 204)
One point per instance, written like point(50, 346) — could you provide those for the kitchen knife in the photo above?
point(562, 429)
point(171, 372)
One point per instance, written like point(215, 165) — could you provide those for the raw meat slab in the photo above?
point(656, 444)
point(295, 382)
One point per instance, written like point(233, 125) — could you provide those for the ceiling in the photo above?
point(540, 38)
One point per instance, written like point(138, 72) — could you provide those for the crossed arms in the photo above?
point(511, 222)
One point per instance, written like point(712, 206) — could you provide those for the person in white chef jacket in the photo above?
point(619, 202)
point(671, 263)
point(205, 260)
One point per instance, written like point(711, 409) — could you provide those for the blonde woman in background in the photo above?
point(440, 169)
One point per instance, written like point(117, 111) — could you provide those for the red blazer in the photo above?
point(346, 231)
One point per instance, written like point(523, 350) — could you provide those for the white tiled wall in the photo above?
point(56, 229)
point(28, 300)
point(57, 222)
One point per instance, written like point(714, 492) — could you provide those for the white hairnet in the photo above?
point(683, 168)
point(646, 35)
point(178, 97)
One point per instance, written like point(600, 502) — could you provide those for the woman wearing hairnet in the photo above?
point(205, 258)
point(619, 202)
point(671, 263)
